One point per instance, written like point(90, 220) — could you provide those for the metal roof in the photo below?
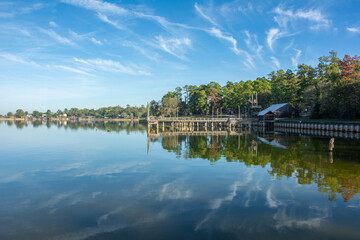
point(272, 108)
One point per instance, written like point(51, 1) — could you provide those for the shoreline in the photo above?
point(68, 119)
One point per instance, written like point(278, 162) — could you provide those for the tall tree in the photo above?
point(213, 99)
point(20, 113)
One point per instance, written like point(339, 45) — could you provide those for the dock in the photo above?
point(187, 124)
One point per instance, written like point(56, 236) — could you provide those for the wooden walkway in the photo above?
point(194, 124)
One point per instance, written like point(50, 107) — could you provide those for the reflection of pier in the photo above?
point(154, 136)
point(200, 133)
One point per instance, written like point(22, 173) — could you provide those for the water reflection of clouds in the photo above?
point(286, 216)
point(271, 200)
point(174, 190)
point(311, 218)
point(218, 202)
point(253, 192)
point(112, 169)
point(83, 169)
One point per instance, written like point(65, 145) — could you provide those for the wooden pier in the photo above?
point(194, 124)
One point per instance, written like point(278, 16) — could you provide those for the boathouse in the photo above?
point(281, 110)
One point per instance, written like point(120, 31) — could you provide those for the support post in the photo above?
point(331, 144)
point(148, 111)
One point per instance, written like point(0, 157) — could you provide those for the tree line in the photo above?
point(329, 90)
point(104, 112)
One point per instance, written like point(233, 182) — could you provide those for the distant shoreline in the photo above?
point(68, 119)
point(305, 120)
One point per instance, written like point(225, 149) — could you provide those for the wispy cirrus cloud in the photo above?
point(316, 18)
point(53, 24)
point(95, 41)
point(174, 46)
point(353, 29)
point(63, 40)
point(105, 9)
point(152, 55)
point(12, 9)
point(104, 18)
point(98, 6)
point(231, 10)
point(248, 59)
point(272, 36)
point(252, 43)
point(108, 65)
point(16, 58)
point(219, 34)
point(275, 61)
point(295, 59)
point(200, 11)
point(72, 69)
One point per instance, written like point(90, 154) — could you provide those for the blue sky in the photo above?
point(94, 53)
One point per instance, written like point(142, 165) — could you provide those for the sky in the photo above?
point(96, 53)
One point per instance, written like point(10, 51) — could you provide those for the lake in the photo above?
point(63, 180)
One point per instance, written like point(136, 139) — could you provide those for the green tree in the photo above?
point(37, 113)
point(154, 108)
point(48, 113)
point(20, 113)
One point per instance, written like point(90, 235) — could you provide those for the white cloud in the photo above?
point(174, 46)
point(104, 9)
point(353, 29)
point(112, 66)
point(245, 9)
point(80, 61)
point(98, 6)
point(272, 36)
point(275, 61)
point(104, 18)
point(201, 12)
point(288, 46)
point(53, 24)
point(217, 33)
point(17, 59)
point(57, 37)
point(295, 59)
point(231, 10)
point(16, 10)
point(71, 69)
point(153, 56)
point(248, 59)
point(253, 44)
point(314, 16)
point(95, 41)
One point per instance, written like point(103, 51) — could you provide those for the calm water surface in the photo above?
point(78, 181)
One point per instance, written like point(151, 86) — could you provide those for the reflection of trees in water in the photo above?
point(106, 126)
point(206, 147)
point(20, 124)
point(75, 125)
point(173, 144)
point(305, 158)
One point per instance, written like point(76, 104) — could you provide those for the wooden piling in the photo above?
point(331, 144)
